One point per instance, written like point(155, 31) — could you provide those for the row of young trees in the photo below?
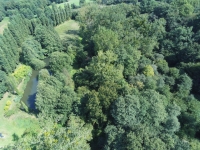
point(30, 40)
point(33, 9)
point(11, 7)
point(20, 28)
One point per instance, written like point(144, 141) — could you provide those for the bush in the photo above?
point(8, 103)
point(21, 72)
point(6, 108)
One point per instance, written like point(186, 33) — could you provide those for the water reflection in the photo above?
point(31, 88)
point(30, 91)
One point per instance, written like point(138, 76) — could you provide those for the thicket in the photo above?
point(29, 38)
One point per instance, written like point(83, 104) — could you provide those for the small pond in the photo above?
point(31, 88)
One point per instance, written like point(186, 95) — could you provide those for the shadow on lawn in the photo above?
point(74, 32)
point(15, 137)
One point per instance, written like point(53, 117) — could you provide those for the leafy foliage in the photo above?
point(21, 72)
point(129, 80)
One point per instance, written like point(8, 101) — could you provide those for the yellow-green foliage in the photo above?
point(8, 103)
point(195, 144)
point(148, 71)
point(6, 108)
point(139, 84)
point(21, 72)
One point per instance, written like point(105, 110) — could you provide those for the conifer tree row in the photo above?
point(35, 20)
point(20, 28)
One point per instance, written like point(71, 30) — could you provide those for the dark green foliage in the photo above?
point(27, 13)
point(19, 28)
point(56, 13)
point(26, 7)
point(135, 70)
point(59, 61)
point(149, 48)
point(68, 12)
point(184, 85)
point(45, 101)
point(115, 138)
point(3, 87)
point(93, 108)
point(44, 20)
point(33, 54)
point(4, 63)
point(11, 44)
point(48, 38)
point(105, 40)
point(58, 104)
point(141, 109)
point(101, 69)
point(8, 54)
point(11, 84)
point(144, 118)
point(127, 117)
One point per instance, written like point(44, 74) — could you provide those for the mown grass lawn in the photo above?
point(3, 24)
point(14, 126)
point(68, 29)
point(76, 2)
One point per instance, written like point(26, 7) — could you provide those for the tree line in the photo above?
point(30, 39)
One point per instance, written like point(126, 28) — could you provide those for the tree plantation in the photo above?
point(111, 75)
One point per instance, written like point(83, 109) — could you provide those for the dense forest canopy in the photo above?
point(129, 79)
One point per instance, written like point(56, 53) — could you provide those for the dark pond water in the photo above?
point(31, 88)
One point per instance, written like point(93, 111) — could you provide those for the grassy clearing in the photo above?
point(68, 29)
point(3, 24)
point(14, 126)
point(76, 2)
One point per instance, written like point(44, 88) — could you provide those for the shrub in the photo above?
point(21, 72)
point(6, 108)
point(8, 103)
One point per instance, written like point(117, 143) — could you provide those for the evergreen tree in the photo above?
point(4, 63)
point(56, 13)
point(8, 53)
point(33, 53)
point(11, 44)
point(48, 38)
point(3, 87)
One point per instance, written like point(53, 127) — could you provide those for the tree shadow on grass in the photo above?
point(15, 137)
point(74, 32)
